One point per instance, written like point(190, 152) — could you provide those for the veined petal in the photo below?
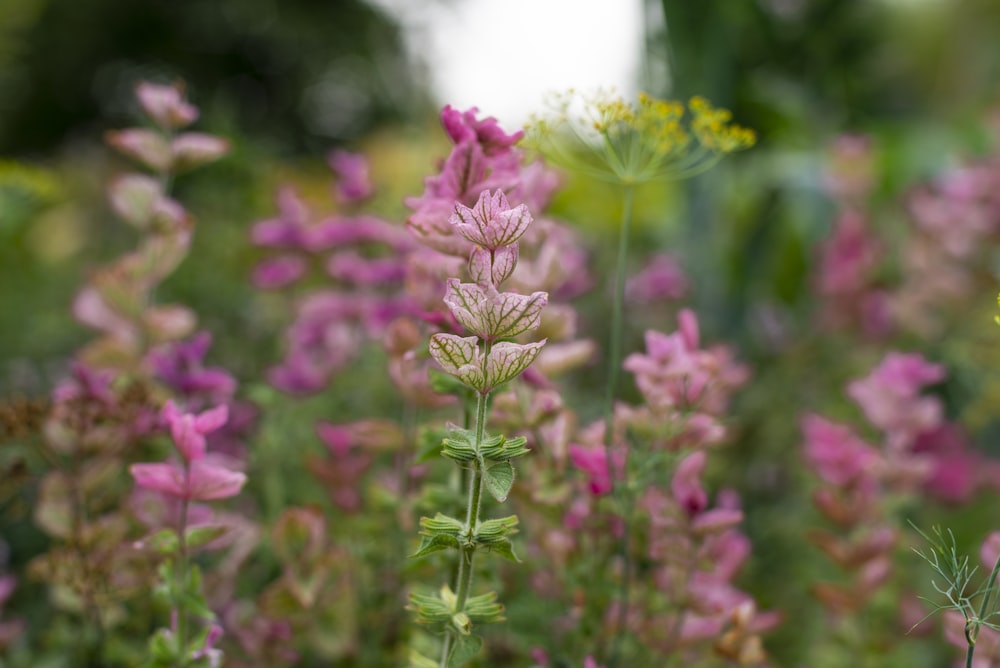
point(510, 314)
point(453, 352)
point(494, 315)
point(491, 223)
point(506, 360)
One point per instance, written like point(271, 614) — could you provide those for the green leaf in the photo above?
point(499, 478)
point(435, 544)
point(163, 648)
point(163, 541)
point(418, 660)
point(464, 648)
point(429, 609)
point(198, 536)
point(484, 608)
point(505, 550)
point(496, 530)
point(429, 443)
point(460, 445)
point(514, 448)
point(443, 383)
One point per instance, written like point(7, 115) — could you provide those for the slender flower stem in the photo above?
point(466, 554)
point(617, 319)
point(614, 364)
point(182, 575)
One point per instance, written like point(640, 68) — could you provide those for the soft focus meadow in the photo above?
point(299, 367)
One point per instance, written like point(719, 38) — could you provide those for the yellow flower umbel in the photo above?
point(605, 137)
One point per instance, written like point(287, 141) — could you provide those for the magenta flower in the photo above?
point(593, 461)
point(181, 365)
point(686, 484)
point(198, 481)
point(279, 272)
point(197, 477)
point(353, 182)
point(189, 430)
point(465, 127)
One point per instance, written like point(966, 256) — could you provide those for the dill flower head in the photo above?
point(604, 136)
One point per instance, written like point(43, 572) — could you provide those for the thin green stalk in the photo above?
point(614, 364)
point(984, 606)
point(466, 554)
point(617, 317)
point(182, 575)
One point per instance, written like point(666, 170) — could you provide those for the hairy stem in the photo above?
point(466, 553)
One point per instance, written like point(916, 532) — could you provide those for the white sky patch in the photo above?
point(503, 56)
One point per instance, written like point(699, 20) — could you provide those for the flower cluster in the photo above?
point(861, 483)
point(606, 137)
point(361, 255)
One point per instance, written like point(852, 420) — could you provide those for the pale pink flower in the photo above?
point(166, 105)
point(492, 223)
point(889, 397)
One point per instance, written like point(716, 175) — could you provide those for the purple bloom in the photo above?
point(353, 182)
point(279, 272)
point(181, 365)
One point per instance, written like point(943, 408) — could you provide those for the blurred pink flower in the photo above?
point(165, 105)
point(188, 430)
point(200, 480)
point(353, 182)
point(836, 454)
point(889, 397)
point(661, 279)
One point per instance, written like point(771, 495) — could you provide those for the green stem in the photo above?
point(180, 586)
point(617, 319)
point(466, 553)
point(614, 364)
